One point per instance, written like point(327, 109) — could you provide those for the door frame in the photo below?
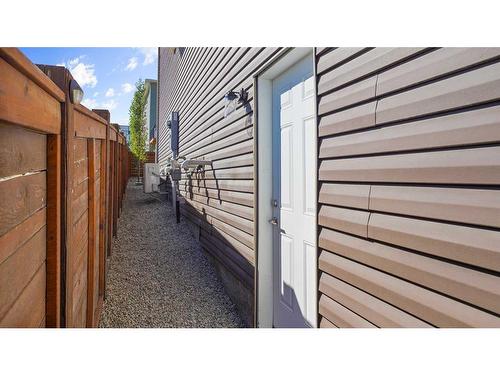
point(264, 274)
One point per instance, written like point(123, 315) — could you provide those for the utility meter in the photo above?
point(175, 174)
point(173, 124)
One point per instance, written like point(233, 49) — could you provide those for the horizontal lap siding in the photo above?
point(193, 81)
point(409, 198)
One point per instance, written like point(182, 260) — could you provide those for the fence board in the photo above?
point(17, 271)
point(21, 197)
point(23, 102)
point(21, 150)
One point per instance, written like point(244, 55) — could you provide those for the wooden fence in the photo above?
point(63, 173)
point(136, 169)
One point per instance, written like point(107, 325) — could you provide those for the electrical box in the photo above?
point(151, 177)
point(173, 124)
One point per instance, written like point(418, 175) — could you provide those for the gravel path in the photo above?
point(158, 275)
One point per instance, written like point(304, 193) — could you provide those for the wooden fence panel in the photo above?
point(62, 179)
point(30, 149)
point(134, 166)
point(88, 252)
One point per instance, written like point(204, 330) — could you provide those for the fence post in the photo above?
point(53, 298)
point(104, 240)
point(109, 191)
point(61, 77)
point(92, 208)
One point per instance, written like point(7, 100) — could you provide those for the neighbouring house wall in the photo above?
point(152, 102)
point(125, 129)
point(147, 111)
point(409, 177)
point(150, 110)
point(409, 170)
point(193, 81)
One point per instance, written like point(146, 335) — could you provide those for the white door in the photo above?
point(294, 197)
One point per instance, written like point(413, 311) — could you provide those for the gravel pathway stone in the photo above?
point(158, 275)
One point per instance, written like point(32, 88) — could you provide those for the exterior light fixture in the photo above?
point(75, 92)
point(232, 98)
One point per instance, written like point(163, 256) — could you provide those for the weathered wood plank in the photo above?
point(19, 269)
point(20, 197)
point(29, 309)
point(21, 150)
point(88, 127)
point(79, 287)
point(112, 135)
point(79, 148)
point(18, 60)
point(79, 233)
point(80, 108)
point(18, 236)
point(79, 206)
point(23, 102)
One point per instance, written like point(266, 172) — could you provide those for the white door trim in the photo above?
point(264, 159)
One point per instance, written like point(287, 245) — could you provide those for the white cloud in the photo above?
point(110, 93)
point(89, 103)
point(84, 74)
point(150, 54)
point(70, 64)
point(74, 62)
point(96, 93)
point(127, 87)
point(93, 103)
point(110, 104)
point(132, 64)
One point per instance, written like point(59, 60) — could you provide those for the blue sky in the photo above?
point(106, 75)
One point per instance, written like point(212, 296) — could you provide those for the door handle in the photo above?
point(273, 221)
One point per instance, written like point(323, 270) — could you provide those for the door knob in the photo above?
point(273, 221)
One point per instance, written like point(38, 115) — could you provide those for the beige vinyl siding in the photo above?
point(408, 170)
point(220, 200)
point(409, 187)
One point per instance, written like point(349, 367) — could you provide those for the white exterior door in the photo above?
point(294, 197)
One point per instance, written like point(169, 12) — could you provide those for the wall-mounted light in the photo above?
point(75, 92)
point(232, 98)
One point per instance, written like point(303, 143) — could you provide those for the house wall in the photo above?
point(408, 201)
point(409, 171)
point(193, 81)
